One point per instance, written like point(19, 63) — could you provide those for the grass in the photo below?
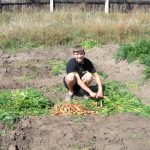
point(26, 77)
point(57, 66)
point(22, 102)
point(136, 51)
point(15, 104)
point(90, 44)
point(29, 29)
point(118, 100)
point(33, 70)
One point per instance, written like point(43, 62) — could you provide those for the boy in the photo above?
point(80, 72)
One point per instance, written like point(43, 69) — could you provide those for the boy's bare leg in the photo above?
point(70, 80)
point(87, 79)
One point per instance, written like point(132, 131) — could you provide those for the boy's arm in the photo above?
point(84, 87)
point(99, 82)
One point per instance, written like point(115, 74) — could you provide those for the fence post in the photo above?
point(107, 6)
point(51, 5)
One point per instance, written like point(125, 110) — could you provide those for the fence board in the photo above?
point(94, 5)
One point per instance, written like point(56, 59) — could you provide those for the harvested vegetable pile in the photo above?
point(70, 109)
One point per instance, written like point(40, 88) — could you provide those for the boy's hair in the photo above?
point(78, 48)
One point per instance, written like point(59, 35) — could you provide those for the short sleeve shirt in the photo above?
point(74, 66)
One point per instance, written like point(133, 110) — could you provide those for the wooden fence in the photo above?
point(89, 5)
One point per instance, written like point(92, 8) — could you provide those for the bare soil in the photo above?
point(120, 132)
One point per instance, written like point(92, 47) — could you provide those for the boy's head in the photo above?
point(79, 53)
point(78, 48)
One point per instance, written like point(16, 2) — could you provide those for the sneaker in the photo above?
point(68, 97)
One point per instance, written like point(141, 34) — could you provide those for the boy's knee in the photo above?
point(87, 76)
point(70, 77)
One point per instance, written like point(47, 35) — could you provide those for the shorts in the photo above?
point(76, 87)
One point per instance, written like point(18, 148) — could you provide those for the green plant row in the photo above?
point(22, 102)
point(15, 104)
point(137, 51)
point(118, 100)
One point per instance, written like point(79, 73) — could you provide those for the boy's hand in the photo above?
point(92, 94)
point(99, 95)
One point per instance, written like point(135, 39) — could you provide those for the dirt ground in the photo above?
point(119, 132)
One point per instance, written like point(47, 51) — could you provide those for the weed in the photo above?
point(90, 44)
point(103, 75)
point(118, 100)
point(18, 103)
point(57, 91)
point(58, 66)
point(2, 133)
point(147, 72)
point(25, 77)
point(133, 85)
point(60, 89)
point(11, 45)
point(15, 104)
point(137, 51)
point(29, 29)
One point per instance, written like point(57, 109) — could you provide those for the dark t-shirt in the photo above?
point(74, 66)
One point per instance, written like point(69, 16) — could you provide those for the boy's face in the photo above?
point(79, 56)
